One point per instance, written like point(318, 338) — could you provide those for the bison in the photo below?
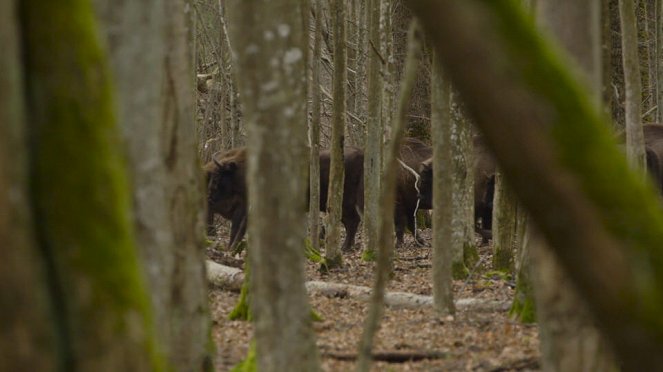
point(227, 192)
point(484, 187)
point(653, 134)
point(412, 152)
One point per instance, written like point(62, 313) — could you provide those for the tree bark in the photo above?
point(387, 200)
point(29, 335)
point(314, 131)
point(80, 194)
point(336, 170)
point(659, 57)
point(562, 183)
point(443, 190)
point(270, 57)
point(505, 225)
point(374, 130)
point(463, 249)
point(570, 340)
point(635, 142)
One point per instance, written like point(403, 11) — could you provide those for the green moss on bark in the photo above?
point(80, 191)
point(470, 254)
point(585, 145)
point(242, 310)
point(249, 363)
point(502, 259)
point(523, 307)
point(459, 271)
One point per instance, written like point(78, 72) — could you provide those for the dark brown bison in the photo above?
point(412, 153)
point(484, 187)
point(653, 134)
point(227, 191)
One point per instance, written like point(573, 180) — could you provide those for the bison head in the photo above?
point(224, 182)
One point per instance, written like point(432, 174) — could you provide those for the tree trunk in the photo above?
point(314, 130)
point(187, 295)
point(443, 190)
point(659, 57)
point(80, 195)
point(463, 249)
point(561, 314)
point(562, 184)
point(160, 147)
point(387, 200)
point(359, 107)
point(505, 225)
point(570, 341)
point(523, 307)
point(635, 142)
point(374, 130)
point(270, 56)
point(336, 169)
point(29, 335)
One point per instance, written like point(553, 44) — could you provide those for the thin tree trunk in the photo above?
point(387, 200)
point(374, 129)
point(443, 190)
point(363, 49)
point(189, 319)
point(505, 225)
point(80, 195)
point(387, 52)
point(270, 56)
point(336, 169)
point(635, 147)
point(231, 77)
point(314, 130)
point(463, 249)
point(29, 334)
point(523, 307)
point(659, 58)
point(569, 338)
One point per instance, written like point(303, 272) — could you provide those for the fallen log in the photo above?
point(230, 278)
point(390, 357)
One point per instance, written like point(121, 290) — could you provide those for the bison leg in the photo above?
point(237, 229)
point(411, 225)
point(351, 224)
point(399, 226)
point(211, 229)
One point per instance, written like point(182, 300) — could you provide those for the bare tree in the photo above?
point(562, 184)
point(659, 57)
point(569, 338)
point(387, 200)
point(161, 145)
point(506, 216)
point(336, 170)
point(463, 249)
point(80, 195)
point(374, 128)
point(269, 39)
point(29, 336)
point(635, 142)
point(443, 190)
point(314, 129)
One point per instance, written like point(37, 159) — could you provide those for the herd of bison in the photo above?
point(227, 191)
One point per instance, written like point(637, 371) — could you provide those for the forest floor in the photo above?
point(475, 339)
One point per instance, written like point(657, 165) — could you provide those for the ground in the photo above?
point(475, 339)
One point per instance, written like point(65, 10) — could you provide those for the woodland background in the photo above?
point(109, 110)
